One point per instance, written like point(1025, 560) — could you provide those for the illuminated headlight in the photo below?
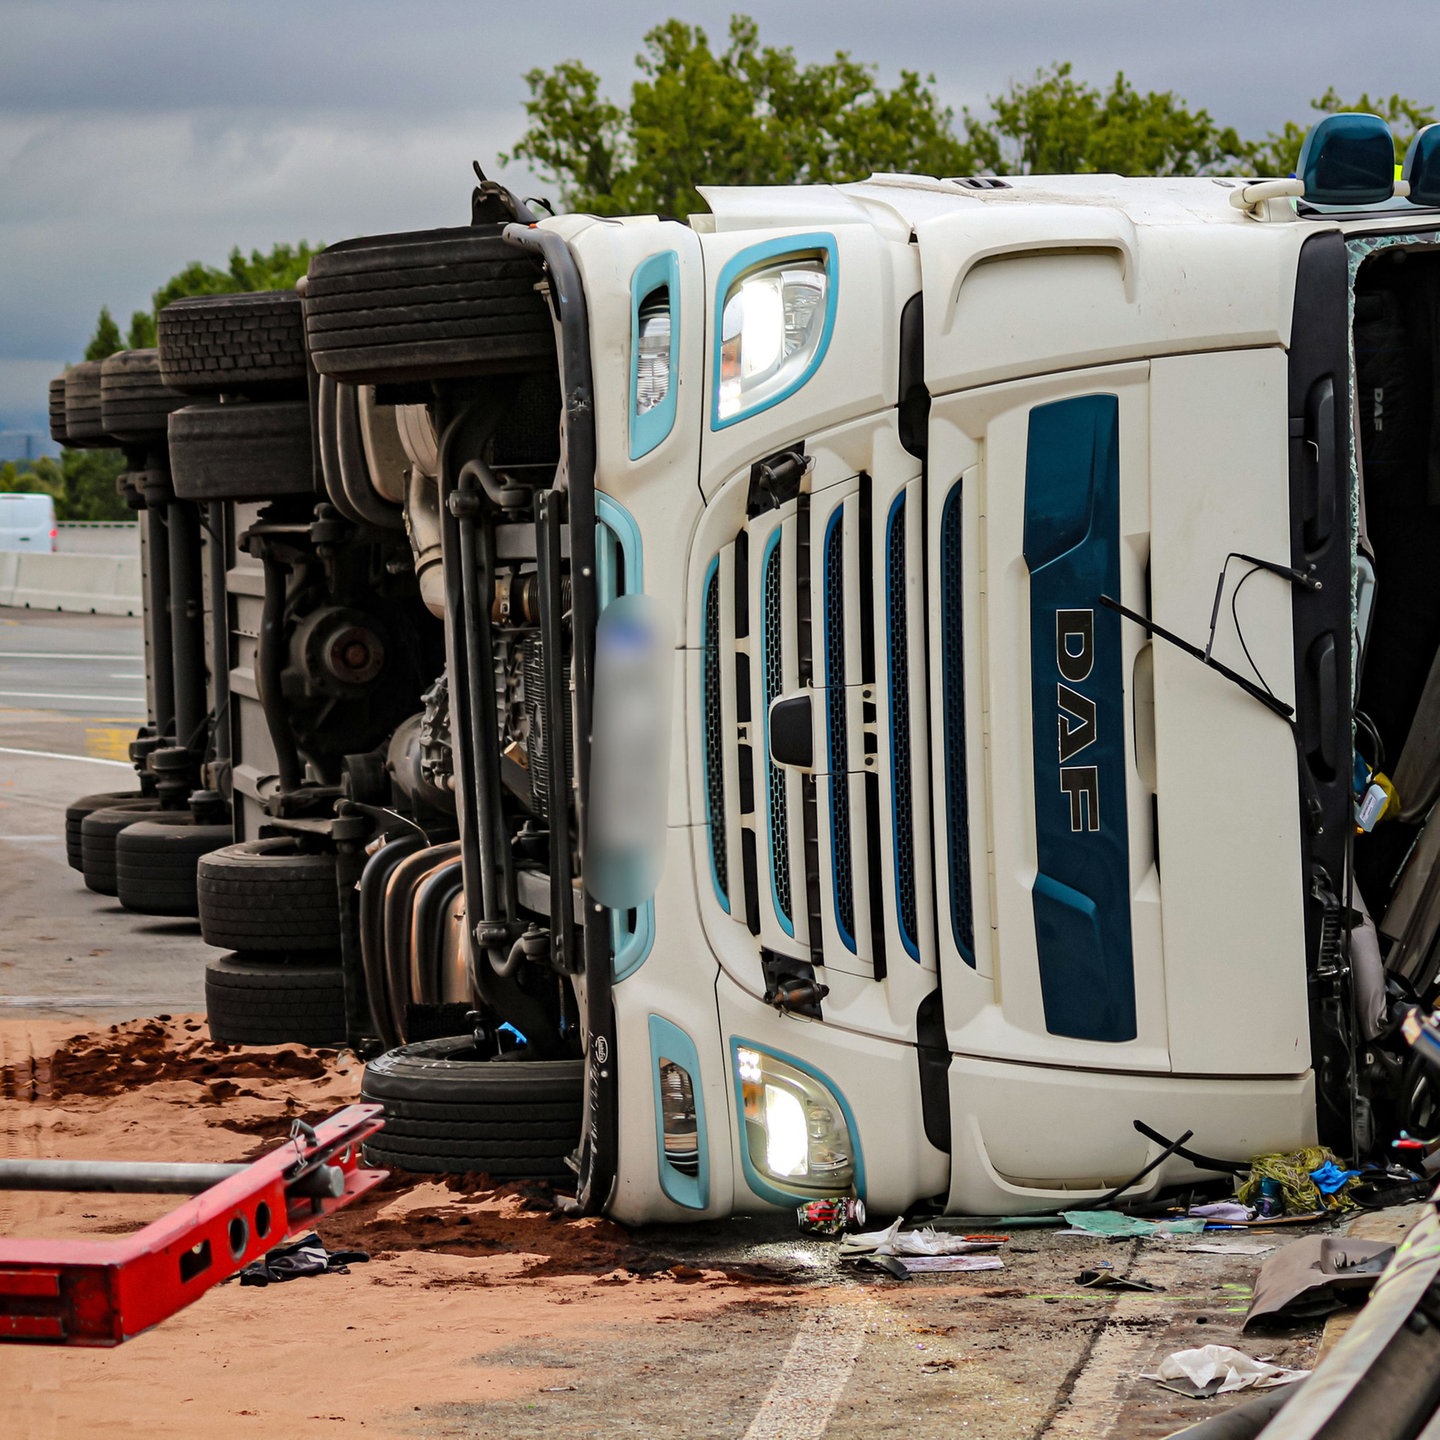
point(794, 1127)
point(652, 352)
point(771, 330)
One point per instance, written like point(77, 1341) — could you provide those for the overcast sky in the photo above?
point(138, 135)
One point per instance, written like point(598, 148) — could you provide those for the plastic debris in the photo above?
point(1330, 1177)
point(1117, 1226)
point(927, 1241)
point(1106, 1279)
point(1219, 1370)
point(1230, 1212)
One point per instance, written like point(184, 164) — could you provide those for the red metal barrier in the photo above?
point(101, 1292)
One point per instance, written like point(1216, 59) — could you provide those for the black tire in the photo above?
point(134, 405)
point(155, 865)
point(245, 450)
point(268, 895)
point(84, 427)
point(58, 432)
point(252, 1001)
point(448, 1112)
point(98, 832)
point(425, 305)
point(234, 344)
point(77, 810)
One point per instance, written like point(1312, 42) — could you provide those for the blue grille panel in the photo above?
point(835, 712)
point(899, 630)
point(714, 740)
point(957, 795)
point(772, 676)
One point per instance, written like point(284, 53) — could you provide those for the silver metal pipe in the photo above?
point(117, 1177)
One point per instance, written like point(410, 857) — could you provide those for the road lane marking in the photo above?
point(813, 1375)
point(60, 655)
point(66, 695)
point(54, 755)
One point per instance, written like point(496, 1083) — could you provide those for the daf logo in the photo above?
point(1076, 729)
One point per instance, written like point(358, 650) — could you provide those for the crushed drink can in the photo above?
point(831, 1216)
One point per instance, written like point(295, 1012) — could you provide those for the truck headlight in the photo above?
point(773, 330)
point(652, 352)
point(795, 1128)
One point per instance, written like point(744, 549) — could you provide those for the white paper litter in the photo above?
point(1211, 1362)
point(928, 1241)
point(1239, 1247)
point(919, 1264)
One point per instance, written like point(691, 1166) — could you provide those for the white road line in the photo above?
point(813, 1376)
point(59, 655)
point(54, 755)
point(32, 839)
point(65, 695)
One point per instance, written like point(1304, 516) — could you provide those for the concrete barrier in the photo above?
point(89, 584)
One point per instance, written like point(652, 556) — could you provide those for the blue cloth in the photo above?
point(1330, 1177)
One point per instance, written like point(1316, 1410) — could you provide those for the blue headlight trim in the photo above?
point(755, 257)
point(669, 1042)
point(620, 570)
point(767, 1189)
point(659, 272)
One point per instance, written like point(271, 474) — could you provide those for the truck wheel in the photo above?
point(134, 405)
point(57, 411)
point(268, 895)
point(77, 810)
point(263, 1001)
point(155, 865)
point(98, 832)
point(246, 450)
point(449, 1112)
point(425, 305)
point(84, 427)
point(235, 345)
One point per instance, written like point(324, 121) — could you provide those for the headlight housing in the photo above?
point(774, 328)
point(795, 1129)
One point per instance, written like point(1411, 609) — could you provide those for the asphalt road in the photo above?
point(72, 691)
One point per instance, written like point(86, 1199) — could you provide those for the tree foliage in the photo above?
point(1055, 124)
point(1279, 152)
point(751, 114)
point(276, 269)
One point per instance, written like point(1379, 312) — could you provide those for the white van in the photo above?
point(27, 522)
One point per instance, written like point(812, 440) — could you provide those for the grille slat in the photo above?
point(714, 736)
point(844, 882)
point(957, 793)
point(899, 688)
point(772, 681)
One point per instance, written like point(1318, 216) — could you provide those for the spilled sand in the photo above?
point(461, 1269)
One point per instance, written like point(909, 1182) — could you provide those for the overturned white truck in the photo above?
point(892, 673)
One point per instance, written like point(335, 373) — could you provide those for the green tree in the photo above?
point(275, 269)
point(106, 339)
point(748, 115)
point(1058, 125)
point(82, 483)
point(1279, 152)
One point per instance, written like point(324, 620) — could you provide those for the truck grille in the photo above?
point(844, 614)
